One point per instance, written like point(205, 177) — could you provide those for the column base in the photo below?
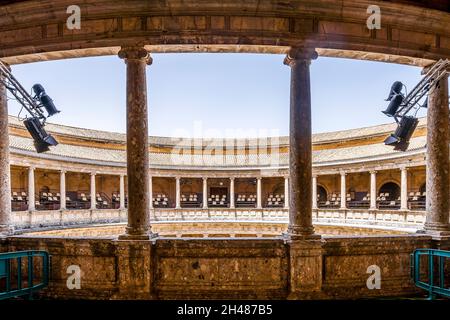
point(301, 233)
point(137, 234)
point(137, 237)
point(305, 271)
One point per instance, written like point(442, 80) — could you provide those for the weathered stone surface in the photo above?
point(332, 268)
point(5, 184)
point(438, 163)
point(408, 34)
point(136, 59)
point(300, 156)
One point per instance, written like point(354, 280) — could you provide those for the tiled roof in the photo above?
point(80, 153)
point(121, 138)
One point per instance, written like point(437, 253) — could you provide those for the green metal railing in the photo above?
point(18, 273)
point(435, 282)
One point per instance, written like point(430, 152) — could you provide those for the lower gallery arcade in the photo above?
point(340, 178)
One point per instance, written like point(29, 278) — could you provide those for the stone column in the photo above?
point(258, 193)
point(31, 189)
point(286, 192)
point(205, 193)
point(438, 202)
point(62, 190)
point(300, 148)
point(343, 191)
point(314, 192)
point(6, 226)
point(138, 228)
point(232, 193)
point(93, 192)
point(373, 190)
point(150, 190)
point(122, 191)
point(404, 189)
point(177, 193)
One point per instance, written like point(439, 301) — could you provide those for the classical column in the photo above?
point(150, 190)
point(93, 192)
point(136, 59)
point(62, 190)
point(373, 190)
point(258, 193)
point(300, 149)
point(314, 192)
point(438, 202)
point(343, 191)
point(177, 193)
point(404, 189)
point(232, 192)
point(5, 183)
point(31, 189)
point(122, 191)
point(286, 192)
point(205, 193)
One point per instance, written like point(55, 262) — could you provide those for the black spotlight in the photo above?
point(42, 140)
point(393, 106)
point(425, 104)
point(402, 135)
point(45, 100)
point(396, 88)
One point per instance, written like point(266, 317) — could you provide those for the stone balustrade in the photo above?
point(58, 218)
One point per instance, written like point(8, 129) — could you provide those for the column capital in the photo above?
point(93, 174)
point(63, 171)
point(314, 175)
point(135, 53)
point(343, 173)
point(32, 167)
point(373, 171)
point(296, 54)
point(404, 168)
point(232, 178)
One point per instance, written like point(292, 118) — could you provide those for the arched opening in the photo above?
point(389, 191)
point(321, 194)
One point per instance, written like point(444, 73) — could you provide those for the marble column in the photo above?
point(93, 192)
point(314, 192)
point(232, 193)
point(205, 193)
point(122, 191)
point(286, 192)
point(62, 190)
point(31, 189)
point(258, 193)
point(300, 147)
point(138, 228)
point(373, 190)
point(437, 169)
point(6, 227)
point(343, 191)
point(404, 189)
point(177, 193)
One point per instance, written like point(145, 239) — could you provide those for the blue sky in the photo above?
point(222, 95)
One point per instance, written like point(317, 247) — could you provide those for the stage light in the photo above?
point(396, 88)
point(42, 140)
point(45, 100)
point(400, 138)
point(393, 106)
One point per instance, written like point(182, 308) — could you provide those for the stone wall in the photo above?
point(238, 268)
